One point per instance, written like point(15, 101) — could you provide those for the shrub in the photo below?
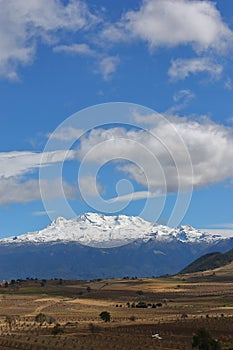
point(42, 318)
point(132, 318)
point(203, 340)
point(140, 292)
point(105, 316)
point(142, 304)
point(10, 319)
point(57, 329)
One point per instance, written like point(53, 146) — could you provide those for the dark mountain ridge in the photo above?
point(94, 246)
point(209, 261)
point(76, 261)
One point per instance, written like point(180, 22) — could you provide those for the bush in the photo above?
point(142, 304)
point(57, 329)
point(132, 318)
point(10, 319)
point(140, 292)
point(105, 316)
point(42, 318)
point(203, 341)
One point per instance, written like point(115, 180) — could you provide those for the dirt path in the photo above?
point(46, 302)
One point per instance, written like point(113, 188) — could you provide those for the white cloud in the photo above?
point(15, 163)
point(181, 98)
point(14, 191)
point(174, 22)
point(182, 68)
point(107, 66)
point(82, 49)
point(66, 134)
point(145, 119)
point(228, 84)
point(220, 231)
point(89, 186)
point(22, 23)
point(114, 32)
point(184, 94)
point(14, 188)
point(134, 196)
point(157, 22)
point(156, 159)
point(222, 225)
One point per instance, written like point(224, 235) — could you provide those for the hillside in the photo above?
point(209, 261)
point(99, 246)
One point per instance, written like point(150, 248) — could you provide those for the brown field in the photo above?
point(181, 306)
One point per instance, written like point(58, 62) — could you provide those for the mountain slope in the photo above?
point(97, 246)
point(209, 262)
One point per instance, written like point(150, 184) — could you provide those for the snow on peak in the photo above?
point(98, 230)
point(59, 221)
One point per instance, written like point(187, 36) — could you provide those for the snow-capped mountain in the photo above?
point(98, 246)
point(98, 230)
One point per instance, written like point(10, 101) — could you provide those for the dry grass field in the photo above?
point(176, 308)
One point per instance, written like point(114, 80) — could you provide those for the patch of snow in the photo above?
point(98, 230)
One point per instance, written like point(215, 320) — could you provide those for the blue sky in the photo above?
point(60, 57)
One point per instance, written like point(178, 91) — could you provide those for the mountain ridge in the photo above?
point(98, 230)
point(115, 246)
point(209, 261)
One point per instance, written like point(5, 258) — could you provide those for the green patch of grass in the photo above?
point(30, 290)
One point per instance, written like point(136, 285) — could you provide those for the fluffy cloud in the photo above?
point(224, 232)
point(157, 158)
point(166, 23)
point(22, 23)
point(66, 134)
point(107, 66)
point(182, 68)
point(14, 191)
point(89, 186)
point(13, 164)
point(174, 22)
point(222, 225)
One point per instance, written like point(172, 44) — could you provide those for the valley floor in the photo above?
point(174, 307)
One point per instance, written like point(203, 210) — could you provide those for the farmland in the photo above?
point(173, 307)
